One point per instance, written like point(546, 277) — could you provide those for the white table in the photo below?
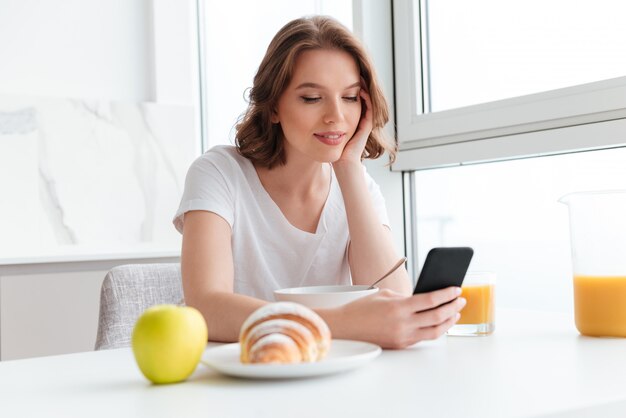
point(535, 364)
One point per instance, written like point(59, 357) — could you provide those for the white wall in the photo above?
point(119, 50)
point(47, 314)
point(76, 48)
point(111, 50)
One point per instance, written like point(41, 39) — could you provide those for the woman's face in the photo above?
point(320, 109)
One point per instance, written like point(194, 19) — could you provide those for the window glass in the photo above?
point(486, 50)
point(237, 34)
point(509, 213)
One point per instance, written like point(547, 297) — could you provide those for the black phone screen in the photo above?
point(444, 267)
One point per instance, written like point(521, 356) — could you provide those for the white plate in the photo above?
point(343, 355)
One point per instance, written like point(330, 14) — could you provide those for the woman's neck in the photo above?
point(301, 180)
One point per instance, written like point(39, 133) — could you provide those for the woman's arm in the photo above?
point(371, 251)
point(390, 318)
point(208, 275)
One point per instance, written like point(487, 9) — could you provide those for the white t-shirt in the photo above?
point(268, 252)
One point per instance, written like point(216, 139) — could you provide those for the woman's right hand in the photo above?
point(395, 321)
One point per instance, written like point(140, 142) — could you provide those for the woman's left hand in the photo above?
point(353, 150)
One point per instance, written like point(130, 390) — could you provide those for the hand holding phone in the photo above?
point(444, 267)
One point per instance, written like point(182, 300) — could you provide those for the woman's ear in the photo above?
point(274, 118)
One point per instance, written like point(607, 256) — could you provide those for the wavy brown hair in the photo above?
point(260, 140)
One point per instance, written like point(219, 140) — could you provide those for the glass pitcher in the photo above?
point(598, 239)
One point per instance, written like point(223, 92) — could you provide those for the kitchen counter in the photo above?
point(535, 364)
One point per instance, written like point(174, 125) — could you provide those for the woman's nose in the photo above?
point(333, 112)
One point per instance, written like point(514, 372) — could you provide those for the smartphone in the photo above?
point(444, 267)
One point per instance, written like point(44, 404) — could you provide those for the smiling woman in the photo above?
point(320, 105)
point(292, 204)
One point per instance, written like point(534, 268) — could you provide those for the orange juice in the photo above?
point(600, 305)
point(480, 304)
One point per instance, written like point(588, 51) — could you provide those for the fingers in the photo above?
point(364, 127)
point(430, 300)
point(437, 316)
point(367, 102)
point(434, 332)
point(432, 324)
point(428, 325)
point(396, 321)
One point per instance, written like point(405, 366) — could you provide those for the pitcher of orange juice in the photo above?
point(598, 239)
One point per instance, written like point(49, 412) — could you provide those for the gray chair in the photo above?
point(127, 291)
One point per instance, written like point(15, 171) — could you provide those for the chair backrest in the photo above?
point(127, 291)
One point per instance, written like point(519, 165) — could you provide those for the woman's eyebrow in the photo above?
point(318, 86)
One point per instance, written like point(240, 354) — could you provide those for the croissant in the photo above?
point(284, 332)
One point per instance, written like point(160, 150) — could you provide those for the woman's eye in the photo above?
point(310, 99)
point(351, 98)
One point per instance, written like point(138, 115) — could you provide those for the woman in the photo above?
point(291, 204)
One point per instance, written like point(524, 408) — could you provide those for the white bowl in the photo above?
point(323, 296)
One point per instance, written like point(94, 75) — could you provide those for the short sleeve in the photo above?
point(377, 199)
point(208, 187)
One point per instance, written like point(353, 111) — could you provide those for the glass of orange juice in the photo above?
point(478, 315)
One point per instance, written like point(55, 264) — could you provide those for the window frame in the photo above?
point(583, 117)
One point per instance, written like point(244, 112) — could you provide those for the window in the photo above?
point(540, 46)
point(480, 87)
point(436, 68)
point(509, 213)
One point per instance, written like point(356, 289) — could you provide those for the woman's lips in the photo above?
point(330, 138)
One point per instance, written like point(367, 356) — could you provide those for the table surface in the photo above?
point(535, 364)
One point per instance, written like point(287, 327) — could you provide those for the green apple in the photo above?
point(168, 341)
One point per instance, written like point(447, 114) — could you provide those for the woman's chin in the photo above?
point(330, 159)
point(332, 155)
